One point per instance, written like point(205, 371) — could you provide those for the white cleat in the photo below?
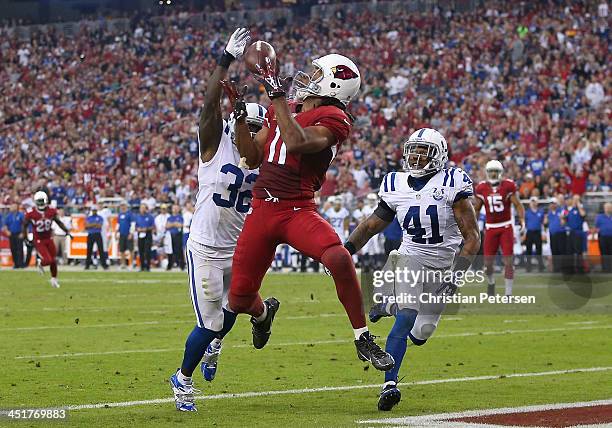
point(184, 394)
point(41, 268)
point(55, 283)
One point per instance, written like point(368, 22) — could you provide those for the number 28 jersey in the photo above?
point(287, 175)
point(430, 232)
point(41, 222)
point(496, 199)
point(224, 197)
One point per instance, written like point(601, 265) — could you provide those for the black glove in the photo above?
point(274, 85)
point(236, 98)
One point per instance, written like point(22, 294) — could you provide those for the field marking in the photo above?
point(306, 343)
point(513, 321)
point(337, 388)
point(441, 419)
point(582, 322)
point(154, 322)
point(76, 326)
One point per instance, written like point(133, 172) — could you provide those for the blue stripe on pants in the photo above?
point(194, 294)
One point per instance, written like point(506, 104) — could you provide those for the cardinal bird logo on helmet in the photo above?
point(343, 72)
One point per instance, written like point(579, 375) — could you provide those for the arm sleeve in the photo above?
point(384, 212)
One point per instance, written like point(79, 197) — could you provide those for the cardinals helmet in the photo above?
point(494, 170)
point(41, 200)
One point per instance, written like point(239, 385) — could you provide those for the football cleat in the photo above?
point(55, 283)
point(368, 350)
point(378, 311)
point(210, 359)
point(262, 330)
point(183, 394)
point(41, 268)
point(390, 395)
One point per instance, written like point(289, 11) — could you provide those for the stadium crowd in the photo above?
point(115, 114)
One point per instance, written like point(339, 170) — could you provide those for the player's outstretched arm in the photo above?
point(24, 228)
point(211, 122)
point(365, 231)
point(465, 216)
point(250, 148)
point(312, 139)
point(520, 210)
point(477, 203)
point(62, 226)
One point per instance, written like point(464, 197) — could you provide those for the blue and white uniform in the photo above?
point(430, 241)
point(222, 203)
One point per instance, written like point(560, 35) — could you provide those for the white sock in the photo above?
point(509, 286)
point(216, 343)
point(491, 279)
point(359, 331)
point(182, 378)
point(390, 382)
point(263, 315)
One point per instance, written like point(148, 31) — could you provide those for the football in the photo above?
point(258, 57)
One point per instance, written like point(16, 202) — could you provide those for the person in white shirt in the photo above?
point(59, 236)
point(162, 237)
point(339, 218)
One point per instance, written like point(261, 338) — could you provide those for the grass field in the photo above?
point(116, 338)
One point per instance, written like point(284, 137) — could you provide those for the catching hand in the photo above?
point(236, 98)
point(237, 42)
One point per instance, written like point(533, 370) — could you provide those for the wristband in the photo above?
point(225, 59)
point(350, 247)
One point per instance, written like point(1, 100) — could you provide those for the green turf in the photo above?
point(151, 314)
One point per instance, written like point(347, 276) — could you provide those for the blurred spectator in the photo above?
point(174, 226)
point(534, 220)
point(187, 216)
point(603, 226)
point(144, 227)
point(13, 223)
point(162, 238)
point(577, 237)
point(557, 231)
point(126, 240)
point(93, 226)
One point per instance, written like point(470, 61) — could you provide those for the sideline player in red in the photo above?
point(293, 151)
point(42, 217)
point(498, 195)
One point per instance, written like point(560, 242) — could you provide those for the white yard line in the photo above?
point(441, 419)
point(313, 342)
point(336, 388)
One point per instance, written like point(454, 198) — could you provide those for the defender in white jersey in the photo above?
point(222, 203)
point(432, 205)
point(338, 217)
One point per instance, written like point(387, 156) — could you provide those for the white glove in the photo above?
point(237, 42)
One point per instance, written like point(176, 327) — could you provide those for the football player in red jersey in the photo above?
point(497, 195)
point(293, 151)
point(42, 217)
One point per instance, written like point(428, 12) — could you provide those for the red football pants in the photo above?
point(298, 224)
point(493, 239)
point(46, 251)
